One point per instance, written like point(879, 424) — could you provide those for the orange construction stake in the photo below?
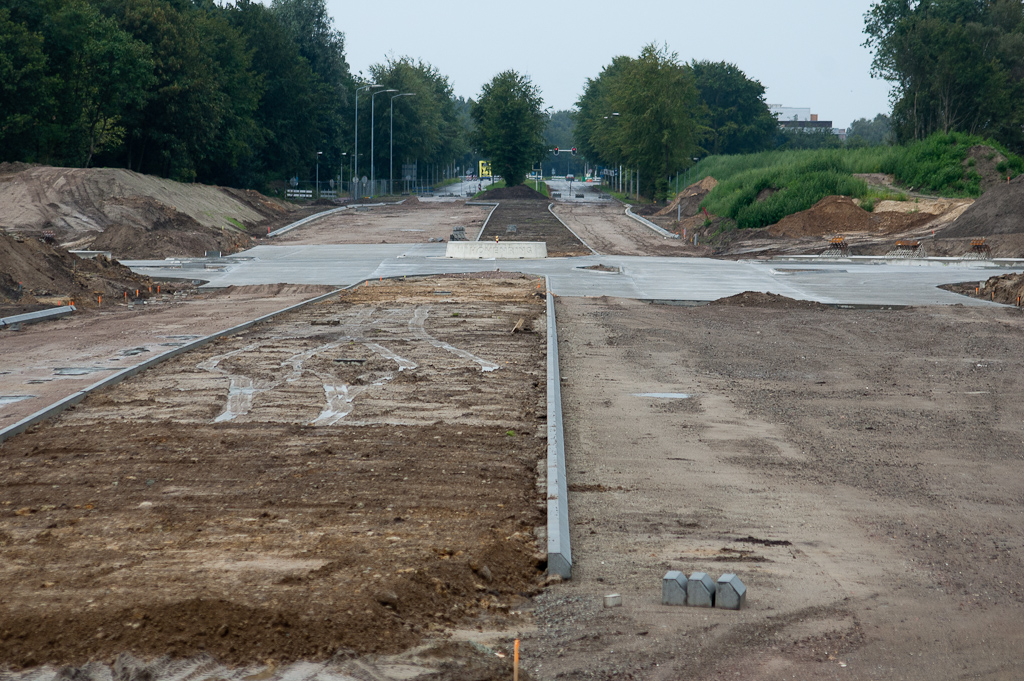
point(515, 662)
point(100, 303)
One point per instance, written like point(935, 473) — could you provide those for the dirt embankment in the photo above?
point(146, 217)
point(1007, 289)
point(840, 214)
point(34, 273)
point(687, 202)
point(999, 211)
point(768, 300)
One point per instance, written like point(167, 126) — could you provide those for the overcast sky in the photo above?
point(807, 53)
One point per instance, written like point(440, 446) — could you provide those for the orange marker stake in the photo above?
point(100, 304)
point(126, 296)
point(515, 662)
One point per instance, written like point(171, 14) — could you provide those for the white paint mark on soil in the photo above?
point(664, 396)
point(418, 328)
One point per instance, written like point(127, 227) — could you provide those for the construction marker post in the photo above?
point(515, 662)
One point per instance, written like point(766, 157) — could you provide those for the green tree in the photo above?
point(870, 133)
point(739, 121)
point(427, 125)
point(25, 88)
point(510, 125)
point(955, 65)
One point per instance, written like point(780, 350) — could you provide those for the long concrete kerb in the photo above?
point(311, 218)
point(551, 210)
point(559, 549)
point(494, 207)
point(498, 250)
point(73, 399)
point(647, 223)
point(40, 315)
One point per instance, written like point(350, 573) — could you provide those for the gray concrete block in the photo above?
point(731, 593)
point(700, 591)
point(673, 588)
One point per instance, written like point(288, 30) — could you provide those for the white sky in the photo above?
point(807, 53)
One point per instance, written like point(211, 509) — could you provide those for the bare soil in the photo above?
point(406, 223)
point(46, 362)
point(688, 201)
point(150, 217)
point(346, 480)
point(999, 211)
point(534, 222)
point(609, 231)
point(859, 470)
point(35, 273)
point(518, 192)
point(839, 214)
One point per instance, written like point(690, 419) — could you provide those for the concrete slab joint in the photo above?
point(730, 592)
point(673, 588)
point(700, 591)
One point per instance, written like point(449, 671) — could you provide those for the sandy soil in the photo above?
point(859, 470)
point(408, 223)
point(48, 361)
point(534, 222)
point(607, 229)
point(354, 476)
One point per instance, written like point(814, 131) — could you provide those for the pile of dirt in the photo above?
point(76, 205)
point(33, 271)
point(985, 160)
point(1007, 289)
point(768, 300)
point(839, 214)
point(520, 191)
point(690, 198)
point(1000, 210)
point(533, 222)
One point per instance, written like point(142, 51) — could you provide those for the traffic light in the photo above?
point(556, 151)
point(574, 151)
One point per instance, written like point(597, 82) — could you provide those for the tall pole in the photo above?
point(373, 187)
point(355, 159)
point(317, 192)
point(391, 160)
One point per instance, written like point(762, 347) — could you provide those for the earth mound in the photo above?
point(520, 191)
point(35, 272)
point(76, 205)
point(838, 214)
point(688, 200)
point(1000, 210)
point(768, 300)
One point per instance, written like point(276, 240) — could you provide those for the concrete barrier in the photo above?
point(730, 592)
point(559, 548)
point(700, 591)
point(673, 588)
point(503, 250)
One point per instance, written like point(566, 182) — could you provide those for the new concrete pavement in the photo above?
point(865, 282)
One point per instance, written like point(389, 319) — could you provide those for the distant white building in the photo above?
point(799, 118)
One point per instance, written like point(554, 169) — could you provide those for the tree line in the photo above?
point(240, 93)
point(954, 65)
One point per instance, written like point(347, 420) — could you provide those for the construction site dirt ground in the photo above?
point(346, 479)
point(608, 230)
point(44, 363)
point(407, 223)
point(861, 471)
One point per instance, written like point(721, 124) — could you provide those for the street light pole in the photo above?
point(391, 159)
point(355, 171)
point(318, 174)
point(373, 188)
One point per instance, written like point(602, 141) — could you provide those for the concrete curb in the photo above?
point(73, 399)
point(570, 228)
point(559, 548)
point(494, 207)
point(37, 316)
point(647, 223)
point(303, 221)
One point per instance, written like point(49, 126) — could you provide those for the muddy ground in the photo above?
point(608, 230)
point(352, 477)
point(409, 223)
point(533, 222)
point(859, 470)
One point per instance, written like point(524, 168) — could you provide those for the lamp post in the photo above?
point(618, 174)
point(318, 173)
point(355, 171)
point(341, 172)
point(391, 162)
point(372, 176)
